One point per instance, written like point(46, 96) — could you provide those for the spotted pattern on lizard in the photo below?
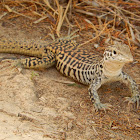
point(79, 64)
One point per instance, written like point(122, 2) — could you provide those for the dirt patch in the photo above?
point(40, 105)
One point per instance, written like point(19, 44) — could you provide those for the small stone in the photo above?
point(70, 125)
point(115, 127)
point(96, 45)
point(36, 109)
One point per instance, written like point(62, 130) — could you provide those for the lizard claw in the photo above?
point(100, 106)
point(133, 99)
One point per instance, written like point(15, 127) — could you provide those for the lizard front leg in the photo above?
point(135, 94)
point(94, 97)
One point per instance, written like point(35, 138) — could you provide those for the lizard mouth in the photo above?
point(128, 60)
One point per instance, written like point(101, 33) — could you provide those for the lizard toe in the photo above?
point(100, 106)
point(133, 99)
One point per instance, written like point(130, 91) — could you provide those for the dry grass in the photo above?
point(107, 19)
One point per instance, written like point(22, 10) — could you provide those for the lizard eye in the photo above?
point(114, 52)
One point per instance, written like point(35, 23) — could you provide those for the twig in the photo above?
point(62, 17)
point(97, 35)
point(4, 14)
point(12, 11)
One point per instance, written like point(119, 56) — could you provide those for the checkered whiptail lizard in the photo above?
point(83, 66)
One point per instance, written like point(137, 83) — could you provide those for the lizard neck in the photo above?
point(112, 68)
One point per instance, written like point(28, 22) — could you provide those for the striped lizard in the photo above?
point(83, 66)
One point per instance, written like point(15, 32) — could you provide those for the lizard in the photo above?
point(85, 67)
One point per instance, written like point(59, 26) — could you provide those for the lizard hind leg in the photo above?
point(37, 63)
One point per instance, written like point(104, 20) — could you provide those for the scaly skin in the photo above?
point(79, 64)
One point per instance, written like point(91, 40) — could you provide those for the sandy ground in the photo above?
point(44, 105)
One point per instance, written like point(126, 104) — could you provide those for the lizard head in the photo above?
point(118, 53)
point(115, 57)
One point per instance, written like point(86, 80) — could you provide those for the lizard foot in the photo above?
point(133, 99)
point(100, 106)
